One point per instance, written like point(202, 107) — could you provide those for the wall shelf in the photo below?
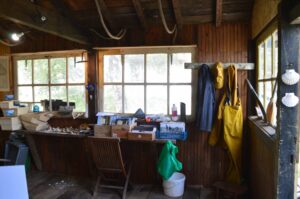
point(240, 66)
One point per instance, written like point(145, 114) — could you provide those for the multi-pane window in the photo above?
point(267, 68)
point(150, 81)
point(59, 78)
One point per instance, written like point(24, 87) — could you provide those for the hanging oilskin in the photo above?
point(218, 72)
point(230, 121)
point(205, 99)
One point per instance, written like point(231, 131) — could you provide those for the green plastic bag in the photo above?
point(168, 163)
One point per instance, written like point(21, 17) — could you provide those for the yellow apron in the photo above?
point(230, 121)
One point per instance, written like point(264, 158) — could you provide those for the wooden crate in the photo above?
point(120, 131)
point(102, 130)
point(10, 123)
point(141, 136)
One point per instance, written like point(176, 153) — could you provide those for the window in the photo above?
point(267, 68)
point(150, 80)
point(51, 78)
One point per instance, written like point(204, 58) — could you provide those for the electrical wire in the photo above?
point(174, 30)
point(99, 35)
point(122, 32)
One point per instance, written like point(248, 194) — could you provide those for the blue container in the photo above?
point(9, 112)
point(172, 136)
point(9, 97)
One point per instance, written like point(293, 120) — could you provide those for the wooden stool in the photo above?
point(229, 190)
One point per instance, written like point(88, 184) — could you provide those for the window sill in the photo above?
point(265, 131)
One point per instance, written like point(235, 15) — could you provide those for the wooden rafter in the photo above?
point(65, 11)
point(106, 15)
point(177, 12)
point(140, 12)
point(219, 11)
point(26, 13)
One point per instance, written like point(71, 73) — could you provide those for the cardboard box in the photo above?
point(102, 130)
point(12, 112)
point(120, 131)
point(7, 104)
point(10, 123)
point(141, 136)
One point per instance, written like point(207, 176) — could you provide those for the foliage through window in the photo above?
point(50, 79)
point(267, 68)
point(151, 81)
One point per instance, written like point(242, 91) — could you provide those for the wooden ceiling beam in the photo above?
point(197, 19)
point(177, 12)
point(26, 13)
point(66, 12)
point(219, 10)
point(140, 13)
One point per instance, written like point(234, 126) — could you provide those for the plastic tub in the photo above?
point(174, 186)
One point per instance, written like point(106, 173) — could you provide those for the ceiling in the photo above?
point(76, 18)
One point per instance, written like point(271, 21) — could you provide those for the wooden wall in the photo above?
point(202, 163)
point(4, 50)
point(262, 162)
point(262, 14)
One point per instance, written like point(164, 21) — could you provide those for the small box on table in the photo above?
point(172, 130)
point(8, 104)
point(10, 123)
point(102, 130)
point(120, 131)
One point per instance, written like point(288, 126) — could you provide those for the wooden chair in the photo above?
point(107, 156)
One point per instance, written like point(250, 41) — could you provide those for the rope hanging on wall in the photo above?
point(174, 30)
point(122, 32)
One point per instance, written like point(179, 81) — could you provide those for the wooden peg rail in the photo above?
point(239, 66)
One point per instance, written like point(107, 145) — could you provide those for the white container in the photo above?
point(174, 186)
point(10, 123)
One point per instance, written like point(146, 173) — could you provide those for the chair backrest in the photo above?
point(106, 154)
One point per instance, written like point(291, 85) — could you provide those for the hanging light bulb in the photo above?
point(17, 36)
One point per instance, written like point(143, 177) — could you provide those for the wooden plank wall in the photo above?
point(262, 163)
point(4, 50)
point(202, 163)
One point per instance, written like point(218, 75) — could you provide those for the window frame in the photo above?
point(262, 38)
point(147, 50)
point(48, 56)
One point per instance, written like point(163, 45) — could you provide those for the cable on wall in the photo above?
point(169, 31)
point(122, 32)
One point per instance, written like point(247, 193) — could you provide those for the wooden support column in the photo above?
point(287, 127)
point(92, 78)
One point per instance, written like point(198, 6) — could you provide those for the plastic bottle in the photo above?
point(174, 113)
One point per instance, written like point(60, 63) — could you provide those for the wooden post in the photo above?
point(92, 78)
point(289, 51)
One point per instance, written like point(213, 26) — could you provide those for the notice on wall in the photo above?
point(4, 73)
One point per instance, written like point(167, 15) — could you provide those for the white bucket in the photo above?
point(174, 186)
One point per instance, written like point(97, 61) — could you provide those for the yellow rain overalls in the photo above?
point(230, 121)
